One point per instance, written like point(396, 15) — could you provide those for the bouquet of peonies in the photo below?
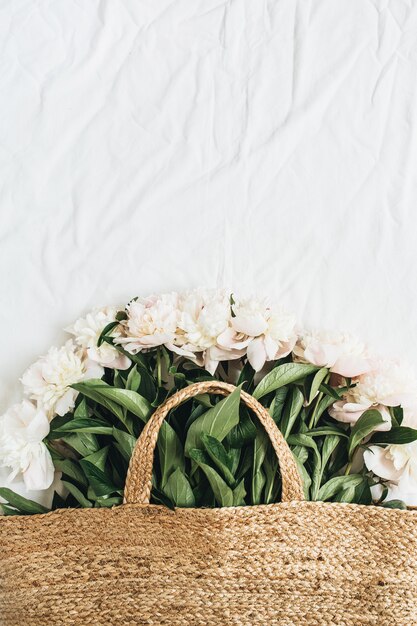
point(349, 417)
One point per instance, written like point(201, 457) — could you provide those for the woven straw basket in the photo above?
point(292, 563)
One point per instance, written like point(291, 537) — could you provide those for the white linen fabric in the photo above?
point(151, 145)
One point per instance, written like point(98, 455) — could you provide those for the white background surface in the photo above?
point(152, 145)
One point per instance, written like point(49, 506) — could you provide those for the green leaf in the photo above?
point(397, 413)
point(272, 478)
point(365, 425)
point(395, 504)
point(308, 442)
point(126, 442)
point(397, 435)
point(217, 452)
point(83, 443)
point(217, 421)
point(317, 380)
point(104, 501)
point(134, 379)
point(322, 406)
point(305, 476)
point(363, 493)
point(347, 495)
point(98, 480)
point(278, 403)
point(126, 398)
point(246, 375)
point(71, 469)
point(106, 330)
point(334, 392)
point(326, 430)
point(159, 497)
point(171, 452)
point(78, 495)
point(338, 483)
point(20, 503)
point(92, 393)
point(89, 426)
point(329, 446)
point(7, 510)
point(99, 458)
point(222, 492)
point(243, 433)
point(81, 410)
point(239, 494)
point(283, 375)
point(178, 490)
point(292, 409)
point(260, 447)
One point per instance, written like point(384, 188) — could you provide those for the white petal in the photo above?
point(256, 354)
point(92, 370)
point(250, 325)
point(38, 428)
point(378, 461)
point(322, 355)
point(40, 472)
point(347, 412)
point(402, 491)
point(351, 366)
point(66, 402)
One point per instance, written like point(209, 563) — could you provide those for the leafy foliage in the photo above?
point(211, 451)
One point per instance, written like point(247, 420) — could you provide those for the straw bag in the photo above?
point(292, 563)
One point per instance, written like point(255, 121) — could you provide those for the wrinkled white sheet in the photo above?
point(151, 145)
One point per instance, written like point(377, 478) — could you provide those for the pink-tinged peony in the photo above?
point(264, 333)
point(87, 331)
point(150, 322)
point(22, 430)
point(340, 352)
point(396, 464)
point(48, 381)
point(386, 385)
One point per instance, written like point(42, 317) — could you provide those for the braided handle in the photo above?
point(139, 476)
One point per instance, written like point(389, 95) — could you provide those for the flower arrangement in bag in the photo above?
point(349, 417)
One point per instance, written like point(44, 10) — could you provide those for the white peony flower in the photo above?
point(42, 496)
point(87, 331)
point(266, 334)
point(48, 380)
point(151, 322)
point(396, 464)
point(203, 316)
point(387, 384)
point(22, 430)
point(340, 352)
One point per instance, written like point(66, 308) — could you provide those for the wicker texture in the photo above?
point(288, 564)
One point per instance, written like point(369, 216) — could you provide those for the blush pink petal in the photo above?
point(351, 366)
point(227, 339)
point(401, 399)
point(285, 348)
point(322, 355)
point(254, 325)
point(347, 412)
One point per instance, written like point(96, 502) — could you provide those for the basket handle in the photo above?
point(139, 475)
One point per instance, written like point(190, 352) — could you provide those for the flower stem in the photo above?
point(348, 468)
